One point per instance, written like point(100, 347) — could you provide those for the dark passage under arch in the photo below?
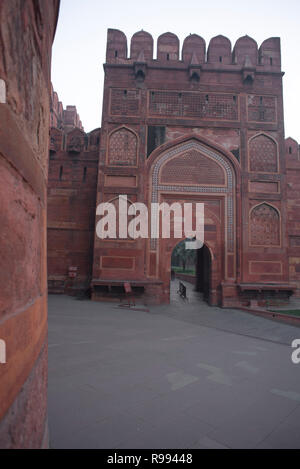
point(193, 267)
point(203, 272)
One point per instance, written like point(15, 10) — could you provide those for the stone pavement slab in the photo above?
point(184, 375)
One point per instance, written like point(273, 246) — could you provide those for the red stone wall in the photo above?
point(26, 35)
point(56, 110)
point(73, 168)
point(292, 155)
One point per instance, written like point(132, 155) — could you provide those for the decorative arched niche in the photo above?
point(222, 182)
point(264, 225)
point(263, 154)
point(122, 147)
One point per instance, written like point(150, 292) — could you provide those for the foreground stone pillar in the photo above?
point(26, 35)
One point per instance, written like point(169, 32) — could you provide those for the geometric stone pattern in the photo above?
point(124, 102)
point(263, 154)
point(185, 104)
point(122, 149)
point(192, 168)
point(261, 108)
point(228, 189)
point(264, 226)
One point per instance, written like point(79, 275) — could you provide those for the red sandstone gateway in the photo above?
point(190, 130)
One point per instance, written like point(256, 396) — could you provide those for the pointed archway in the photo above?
point(194, 170)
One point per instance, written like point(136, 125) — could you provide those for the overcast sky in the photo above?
point(80, 41)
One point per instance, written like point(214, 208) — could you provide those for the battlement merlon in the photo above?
point(292, 151)
point(219, 54)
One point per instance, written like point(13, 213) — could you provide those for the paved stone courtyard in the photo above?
point(183, 375)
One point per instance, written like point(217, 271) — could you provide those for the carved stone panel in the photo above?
point(263, 154)
point(264, 226)
point(122, 148)
point(192, 167)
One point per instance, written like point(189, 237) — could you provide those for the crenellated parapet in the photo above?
point(60, 118)
point(244, 55)
point(73, 142)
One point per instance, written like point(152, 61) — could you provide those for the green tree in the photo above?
point(182, 257)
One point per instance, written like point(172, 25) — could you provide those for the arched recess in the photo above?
point(122, 147)
point(219, 198)
point(263, 153)
point(264, 225)
point(125, 203)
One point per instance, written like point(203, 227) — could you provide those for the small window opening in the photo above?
point(116, 53)
point(206, 99)
point(290, 150)
point(195, 77)
point(260, 100)
point(180, 95)
point(61, 172)
point(140, 76)
point(234, 99)
point(84, 174)
point(168, 56)
point(271, 61)
point(220, 58)
point(125, 93)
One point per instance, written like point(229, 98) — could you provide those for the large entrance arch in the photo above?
point(194, 170)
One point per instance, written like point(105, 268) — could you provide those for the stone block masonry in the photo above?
point(26, 34)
